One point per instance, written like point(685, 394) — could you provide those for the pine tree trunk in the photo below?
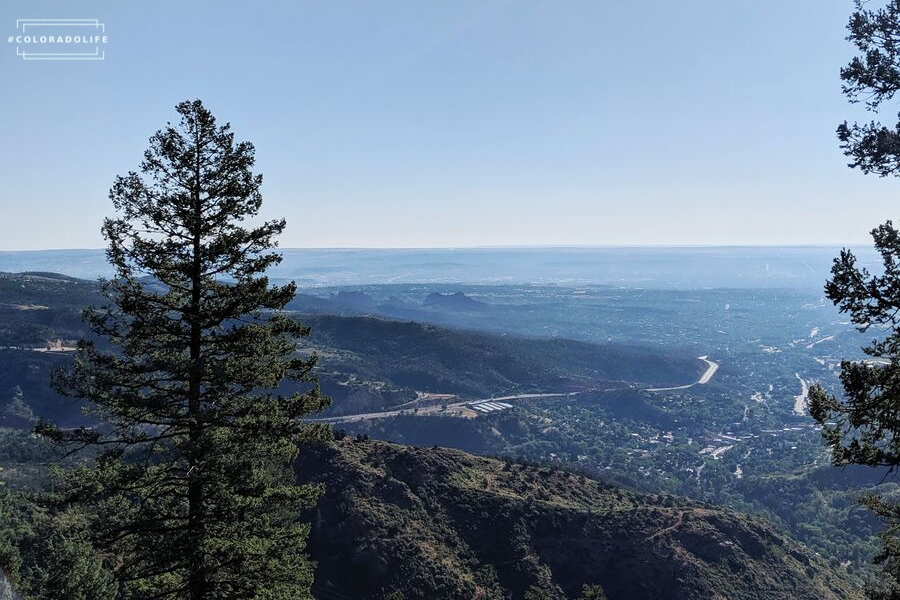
point(197, 578)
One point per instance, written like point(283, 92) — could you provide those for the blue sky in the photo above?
point(458, 122)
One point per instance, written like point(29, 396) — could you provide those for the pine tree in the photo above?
point(193, 494)
point(863, 427)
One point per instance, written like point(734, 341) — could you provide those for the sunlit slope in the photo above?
point(438, 523)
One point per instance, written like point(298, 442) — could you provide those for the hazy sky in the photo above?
point(458, 122)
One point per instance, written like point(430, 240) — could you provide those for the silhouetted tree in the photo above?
point(863, 427)
point(193, 495)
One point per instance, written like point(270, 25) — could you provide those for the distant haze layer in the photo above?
point(649, 267)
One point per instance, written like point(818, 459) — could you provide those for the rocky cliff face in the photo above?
point(437, 523)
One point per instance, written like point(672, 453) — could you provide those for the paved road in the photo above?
point(461, 406)
point(801, 402)
point(704, 379)
point(457, 407)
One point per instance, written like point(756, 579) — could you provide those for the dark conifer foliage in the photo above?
point(873, 78)
point(193, 495)
point(863, 427)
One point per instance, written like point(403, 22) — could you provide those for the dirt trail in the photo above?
point(679, 521)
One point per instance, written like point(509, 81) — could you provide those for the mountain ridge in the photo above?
point(434, 523)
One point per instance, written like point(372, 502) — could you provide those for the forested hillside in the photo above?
point(367, 363)
point(437, 523)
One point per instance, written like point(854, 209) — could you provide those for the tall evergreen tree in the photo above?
point(193, 495)
point(863, 427)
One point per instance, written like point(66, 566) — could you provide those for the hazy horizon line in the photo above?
point(504, 247)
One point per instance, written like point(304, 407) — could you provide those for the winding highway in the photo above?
point(462, 407)
point(704, 379)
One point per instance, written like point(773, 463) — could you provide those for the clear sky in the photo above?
point(458, 122)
